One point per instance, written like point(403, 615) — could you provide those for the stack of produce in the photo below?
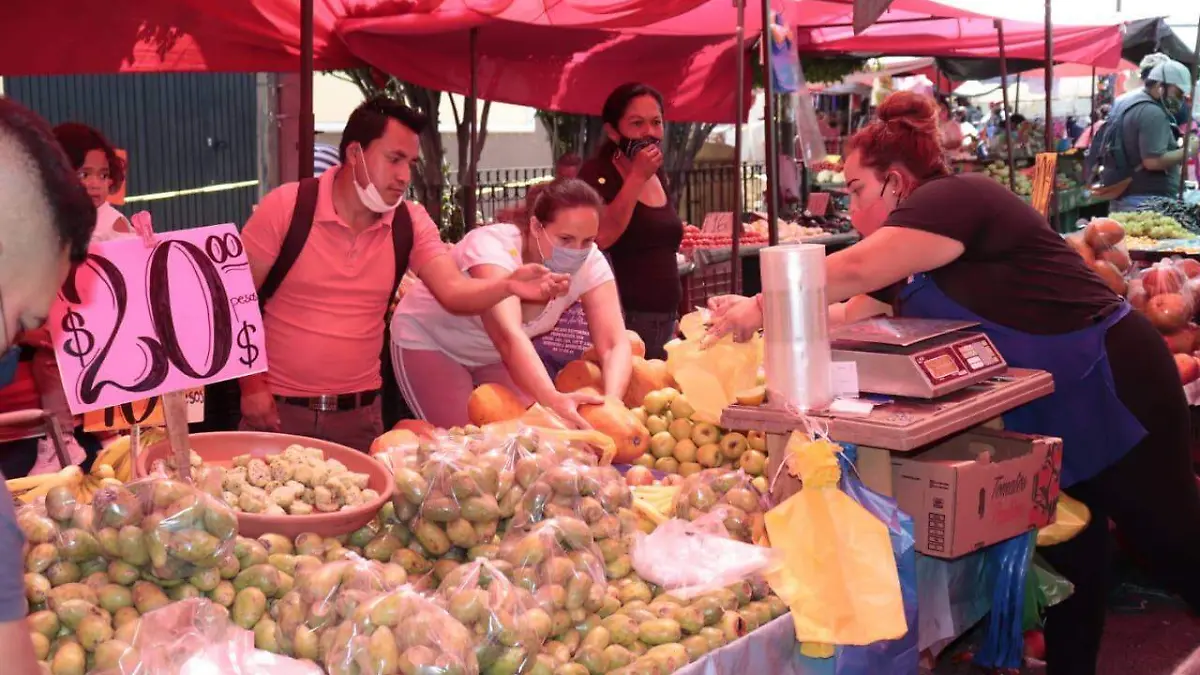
point(1187, 215)
point(681, 442)
point(998, 171)
point(1166, 293)
point(1151, 225)
point(733, 493)
point(113, 466)
point(693, 239)
point(91, 571)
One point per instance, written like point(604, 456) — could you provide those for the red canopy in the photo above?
point(928, 28)
point(562, 60)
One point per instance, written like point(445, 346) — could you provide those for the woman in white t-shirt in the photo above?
point(102, 173)
point(441, 357)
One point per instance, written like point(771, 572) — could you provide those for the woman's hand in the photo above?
point(566, 406)
point(643, 166)
point(537, 284)
point(734, 314)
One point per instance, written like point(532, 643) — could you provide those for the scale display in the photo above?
point(916, 358)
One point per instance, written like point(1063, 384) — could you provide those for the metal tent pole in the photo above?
point(772, 143)
point(308, 133)
point(1192, 126)
point(738, 188)
point(1012, 168)
point(473, 146)
point(1049, 131)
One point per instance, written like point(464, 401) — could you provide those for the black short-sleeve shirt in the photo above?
point(1015, 270)
point(643, 257)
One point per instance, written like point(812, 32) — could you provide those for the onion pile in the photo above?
point(1168, 292)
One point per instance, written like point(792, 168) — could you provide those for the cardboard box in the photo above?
point(978, 488)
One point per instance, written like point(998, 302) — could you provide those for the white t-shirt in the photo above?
point(420, 322)
point(107, 218)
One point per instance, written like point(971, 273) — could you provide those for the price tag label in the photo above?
point(147, 412)
point(818, 203)
point(718, 223)
point(135, 321)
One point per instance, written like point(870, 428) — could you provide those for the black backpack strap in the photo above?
point(402, 243)
point(294, 240)
point(394, 407)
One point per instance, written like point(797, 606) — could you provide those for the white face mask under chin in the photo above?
point(369, 195)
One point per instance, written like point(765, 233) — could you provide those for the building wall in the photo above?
point(182, 131)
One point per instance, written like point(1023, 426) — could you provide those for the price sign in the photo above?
point(718, 223)
point(147, 412)
point(135, 321)
point(818, 203)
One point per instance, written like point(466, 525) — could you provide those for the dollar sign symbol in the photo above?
point(243, 340)
point(73, 323)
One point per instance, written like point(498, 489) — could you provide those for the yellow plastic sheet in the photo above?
point(710, 372)
point(1070, 517)
point(550, 427)
point(838, 574)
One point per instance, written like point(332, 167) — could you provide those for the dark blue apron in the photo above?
point(1096, 428)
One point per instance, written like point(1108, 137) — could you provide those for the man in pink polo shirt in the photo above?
point(325, 280)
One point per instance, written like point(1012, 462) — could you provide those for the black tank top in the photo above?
point(643, 258)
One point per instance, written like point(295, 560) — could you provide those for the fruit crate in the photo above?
point(706, 282)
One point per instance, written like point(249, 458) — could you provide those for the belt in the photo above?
point(332, 402)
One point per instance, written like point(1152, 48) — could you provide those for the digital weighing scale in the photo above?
point(916, 358)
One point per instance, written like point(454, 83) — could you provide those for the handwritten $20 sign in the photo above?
point(135, 321)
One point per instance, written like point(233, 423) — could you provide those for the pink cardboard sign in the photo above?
point(136, 321)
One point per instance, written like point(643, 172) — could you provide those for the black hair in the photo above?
point(77, 140)
point(564, 193)
point(370, 118)
point(617, 103)
point(73, 212)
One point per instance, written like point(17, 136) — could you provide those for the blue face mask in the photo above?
point(8, 365)
point(563, 260)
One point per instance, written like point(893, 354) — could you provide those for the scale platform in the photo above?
point(916, 358)
point(907, 424)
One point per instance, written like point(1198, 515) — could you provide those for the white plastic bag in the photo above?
point(714, 559)
point(196, 637)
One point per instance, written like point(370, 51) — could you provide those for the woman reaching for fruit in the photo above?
point(963, 247)
point(440, 357)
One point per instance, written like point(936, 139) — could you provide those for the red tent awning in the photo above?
point(929, 28)
point(547, 63)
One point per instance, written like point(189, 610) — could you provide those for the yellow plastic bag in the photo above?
point(838, 574)
point(1070, 517)
point(550, 427)
point(710, 372)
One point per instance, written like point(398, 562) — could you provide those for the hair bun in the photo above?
point(906, 105)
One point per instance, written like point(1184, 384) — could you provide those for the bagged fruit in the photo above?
point(508, 625)
point(399, 631)
point(715, 560)
point(549, 432)
point(188, 638)
point(741, 504)
point(597, 495)
point(558, 561)
point(167, 526)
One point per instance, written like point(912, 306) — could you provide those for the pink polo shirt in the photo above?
point(324, 325)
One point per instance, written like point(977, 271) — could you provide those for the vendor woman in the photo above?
point(963, 247)
point(440, 357)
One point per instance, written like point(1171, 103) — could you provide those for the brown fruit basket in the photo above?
point(219, 449)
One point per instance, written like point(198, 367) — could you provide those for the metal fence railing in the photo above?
point(701, 190)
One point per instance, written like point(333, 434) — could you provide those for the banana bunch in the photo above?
point(118, 454)
point(655, 503)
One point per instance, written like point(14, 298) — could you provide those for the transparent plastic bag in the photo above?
point(1167, 293)
point(509, 626)
point(714, 559)
point(192, 637)
point(559, 562)
point(399, 631)
point(592, 493)
point(170, 527)
point(733, 491)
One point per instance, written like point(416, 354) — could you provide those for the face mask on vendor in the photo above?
point(870, 205)
point(369, 195)
point(562, 259)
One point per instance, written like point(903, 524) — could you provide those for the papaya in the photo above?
point(614, 420)
point(646, 376)
point(491, 403)
point(578, 375)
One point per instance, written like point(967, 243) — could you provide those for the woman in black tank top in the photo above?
point(640, 230)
